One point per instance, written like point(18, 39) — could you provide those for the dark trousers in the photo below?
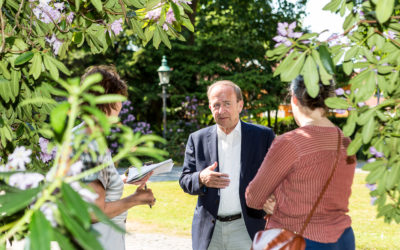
point(345, 242)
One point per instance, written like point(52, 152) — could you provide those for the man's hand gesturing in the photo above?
point(210, 178)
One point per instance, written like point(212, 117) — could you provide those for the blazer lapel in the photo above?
point(244, 148)
point(212, 142)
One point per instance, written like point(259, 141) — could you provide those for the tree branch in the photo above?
point(17, 15)
point(124, 11)
point(3, 37)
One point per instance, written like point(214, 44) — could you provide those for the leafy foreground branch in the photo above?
point(368, 52)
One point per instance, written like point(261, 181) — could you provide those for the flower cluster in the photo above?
point(116, 27)
point(190, 108)
point(286, 33)
point(340, 92)
point(372, 187)
point(45, 155)
point(170, 17)
point(376, 153)
point(128, 119)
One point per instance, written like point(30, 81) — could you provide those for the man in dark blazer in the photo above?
point(220, 161)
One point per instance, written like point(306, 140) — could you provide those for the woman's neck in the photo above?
point(314, 118)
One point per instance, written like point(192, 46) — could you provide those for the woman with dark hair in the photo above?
point(296, 169)
point(107, 183)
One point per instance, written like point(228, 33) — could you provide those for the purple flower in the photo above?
point(55, 43)
point(373, 199)
point(348, 92)
point(371, 160)
point(390, 34)
point(25, 180)
point(59, 6)
point(48, 209)
point(75, 168)
point(373, 48)
point(165, 26)
point(371, 187)
point(379, 155)
point(340, 111)
point(116, 26)
point(339, 91)
point(170, 16)
point(155, 13)
point(282, 28)
point(372, 150)
point(70, 17)
point(361, 104)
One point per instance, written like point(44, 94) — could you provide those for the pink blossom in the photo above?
point(70, 17)
point(55, 43)
point(170, 16)
point(116, 26)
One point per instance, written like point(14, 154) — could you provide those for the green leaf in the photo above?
point(156, 38)
point(75, 204)
point(50, 67)
point(90, 80)
point(350, 20)
point(137, 28)
point(101, 117)
point(37, 100)
point(41, 232)
point(176, 11)
point(63, 241)
point(311, 77)
point(350, 54)
point(326, 59)
point(15, 77)
point(77, 5)
point(325, 76)
point(110, 98)
point(23, 58)
point(164, 37)
point(97, 4)
point(151, 4)
point(350, 126)
point(186, 22)
point(4, 70)
point(375, 174)
point(366, 116)
point(85, 238)
point(336, 103)
point(294, 67)
point(348, 67)
point(384, 9)
point(278, 51)
point(59, 65)
point(5, 89)
point(14, 202)
point(373, 165)
point(394, 177)
point(368, 131)
point(36, 67)
point(355, 144)
point(58, 118)
point(332, 5)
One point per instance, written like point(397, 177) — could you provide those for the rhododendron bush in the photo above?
point(41, 197)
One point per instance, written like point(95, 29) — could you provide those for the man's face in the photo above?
point(225, 107)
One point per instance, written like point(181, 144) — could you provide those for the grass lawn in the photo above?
point(173, 213)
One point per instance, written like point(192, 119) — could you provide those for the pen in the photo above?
point(145, 188)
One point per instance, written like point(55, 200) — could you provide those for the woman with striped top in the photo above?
point(296, 168)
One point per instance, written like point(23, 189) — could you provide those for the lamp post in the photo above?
point(164, 73)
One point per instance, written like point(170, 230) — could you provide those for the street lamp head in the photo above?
point(164, 71)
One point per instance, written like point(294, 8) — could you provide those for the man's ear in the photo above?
point(241, 103)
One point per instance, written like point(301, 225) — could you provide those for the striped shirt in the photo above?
point(295, 169)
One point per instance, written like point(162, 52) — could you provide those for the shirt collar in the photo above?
point(236, 130)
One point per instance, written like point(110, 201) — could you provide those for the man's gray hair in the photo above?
point(235, 87)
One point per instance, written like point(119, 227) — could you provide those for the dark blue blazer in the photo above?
point(201, 152)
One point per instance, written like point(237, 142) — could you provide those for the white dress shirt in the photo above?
point(229, 150)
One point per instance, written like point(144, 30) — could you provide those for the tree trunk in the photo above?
point(192, 17)
point(269, 117)
point(276, 120)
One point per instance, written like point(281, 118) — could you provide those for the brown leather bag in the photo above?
point(275, 239)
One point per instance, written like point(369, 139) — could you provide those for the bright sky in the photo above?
point(318, 20)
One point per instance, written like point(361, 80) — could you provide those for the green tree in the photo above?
point(35, 36)
point(370, 48)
